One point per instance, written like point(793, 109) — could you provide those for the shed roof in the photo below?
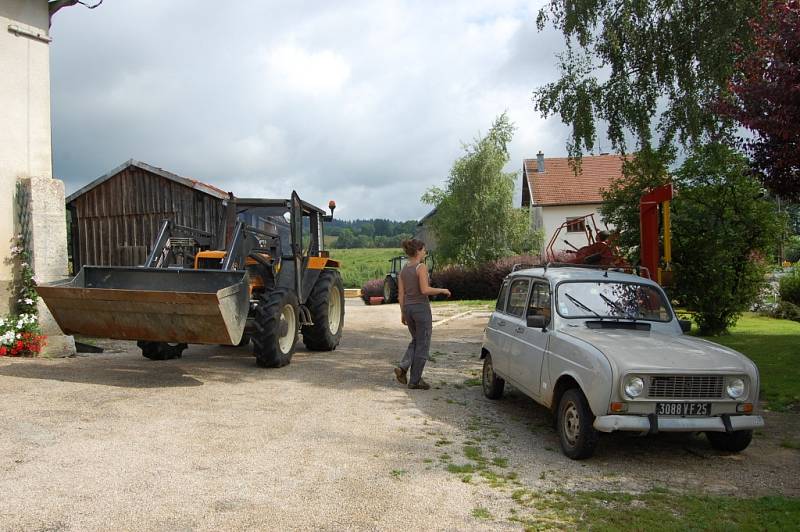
point(558, 184)
point(185, 181)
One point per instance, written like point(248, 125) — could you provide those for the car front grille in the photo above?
point(685, 387)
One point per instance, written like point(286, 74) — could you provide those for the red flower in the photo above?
point(3, 351)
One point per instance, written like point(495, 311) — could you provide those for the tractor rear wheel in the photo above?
point(326, 304)
point(389, 290)
point(161, 350)
point(275, 334)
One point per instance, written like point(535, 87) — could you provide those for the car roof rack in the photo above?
point(641, 271)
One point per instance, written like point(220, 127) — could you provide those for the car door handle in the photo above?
point(501, 323)
point(520, 330)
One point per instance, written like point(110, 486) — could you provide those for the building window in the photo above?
point(576, 225)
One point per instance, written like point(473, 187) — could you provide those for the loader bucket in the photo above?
point(157, 304)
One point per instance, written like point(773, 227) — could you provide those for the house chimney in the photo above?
point(540, 161)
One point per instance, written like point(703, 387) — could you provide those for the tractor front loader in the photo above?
point(265, 287)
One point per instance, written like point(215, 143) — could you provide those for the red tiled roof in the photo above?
point(558, 184)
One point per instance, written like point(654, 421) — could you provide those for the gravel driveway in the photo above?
point(115, 441)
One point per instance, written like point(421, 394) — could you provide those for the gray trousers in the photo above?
point(420, 325)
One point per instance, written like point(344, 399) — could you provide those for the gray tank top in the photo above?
point(411, 293)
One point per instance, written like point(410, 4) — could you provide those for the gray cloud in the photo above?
point(363, 102)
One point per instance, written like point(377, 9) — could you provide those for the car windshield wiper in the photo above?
point(578, 303)
point(618, 307)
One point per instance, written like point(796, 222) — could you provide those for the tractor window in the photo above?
point(518, 297)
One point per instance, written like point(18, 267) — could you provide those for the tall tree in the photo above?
point(766, 96)
point(722, 226)
point(648, 69)
point(475, 218)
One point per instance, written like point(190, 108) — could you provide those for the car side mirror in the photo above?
point(686, 325)
point(537, 321)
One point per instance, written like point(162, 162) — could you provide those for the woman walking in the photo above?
point(412, 294)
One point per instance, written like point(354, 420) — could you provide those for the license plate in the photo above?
point(683, 409)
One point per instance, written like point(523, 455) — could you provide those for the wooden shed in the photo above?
point(115, 218)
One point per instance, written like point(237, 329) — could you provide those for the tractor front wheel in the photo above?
point(161, 350)
point(276, 327)
point(326, 305)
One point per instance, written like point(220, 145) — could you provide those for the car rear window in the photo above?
point(501, 299)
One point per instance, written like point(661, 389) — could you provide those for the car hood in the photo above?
point(651, 351)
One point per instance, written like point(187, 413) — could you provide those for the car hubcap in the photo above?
point(572, 423)
point(287, 328)
point(334, 310)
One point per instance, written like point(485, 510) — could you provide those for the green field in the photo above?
point(774, 345)
point(359, 265)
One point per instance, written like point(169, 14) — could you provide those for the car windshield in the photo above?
point(610, 299)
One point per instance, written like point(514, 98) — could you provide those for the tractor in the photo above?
point(271, 282)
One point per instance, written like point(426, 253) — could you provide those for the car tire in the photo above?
point(576, 434)
point(492, 384)
point(326, 304)
point(732, 442)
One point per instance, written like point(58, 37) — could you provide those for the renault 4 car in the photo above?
point(604, 350)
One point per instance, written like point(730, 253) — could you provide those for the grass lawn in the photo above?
point(774, 345)
point(471, 304)
point(655, 510)
point(359, 265)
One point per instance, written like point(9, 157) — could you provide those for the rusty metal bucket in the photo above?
point(157, 304)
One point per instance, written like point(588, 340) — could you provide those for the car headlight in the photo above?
point(634, 386)
point(735, 388)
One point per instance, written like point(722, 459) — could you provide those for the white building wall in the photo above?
point(24, 113)
point(26, 157)
point(553, 217)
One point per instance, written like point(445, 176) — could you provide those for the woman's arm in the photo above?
point(400, 292)
point(425, 285)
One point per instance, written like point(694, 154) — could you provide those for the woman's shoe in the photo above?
point(400, 373)
point(421, 385)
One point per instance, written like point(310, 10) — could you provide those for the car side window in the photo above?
point(518, 297)
point(539, 304)
point(501, 299)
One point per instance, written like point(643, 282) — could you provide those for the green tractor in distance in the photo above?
point(390, 282)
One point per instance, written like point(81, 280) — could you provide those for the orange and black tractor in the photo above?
point(268, 284)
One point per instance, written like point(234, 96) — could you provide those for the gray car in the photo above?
point(605, 352)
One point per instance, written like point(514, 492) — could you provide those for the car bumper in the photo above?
point(653, 424)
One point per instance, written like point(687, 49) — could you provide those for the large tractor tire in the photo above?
point(276, 326)
point(389, 290)
point(161, 350)
point(326, 304)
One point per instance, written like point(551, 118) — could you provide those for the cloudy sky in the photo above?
point(363, 102)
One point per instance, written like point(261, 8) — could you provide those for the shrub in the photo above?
point(790, 286)
point(792, 250)
point(479, 282)
point(372, 288)
point(787, 311)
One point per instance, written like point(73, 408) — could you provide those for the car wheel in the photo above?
point(732, 442)
point(492, 384)
point(577, 435)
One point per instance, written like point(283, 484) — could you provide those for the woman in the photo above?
point(412, 294)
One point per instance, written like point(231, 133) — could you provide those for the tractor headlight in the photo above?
point(735, 388)
point(634, 386)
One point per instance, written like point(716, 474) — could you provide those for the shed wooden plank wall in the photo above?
point(119, 219)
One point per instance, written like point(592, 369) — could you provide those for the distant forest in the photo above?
point(373, 233)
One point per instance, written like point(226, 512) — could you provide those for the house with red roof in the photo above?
point(555, 194)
